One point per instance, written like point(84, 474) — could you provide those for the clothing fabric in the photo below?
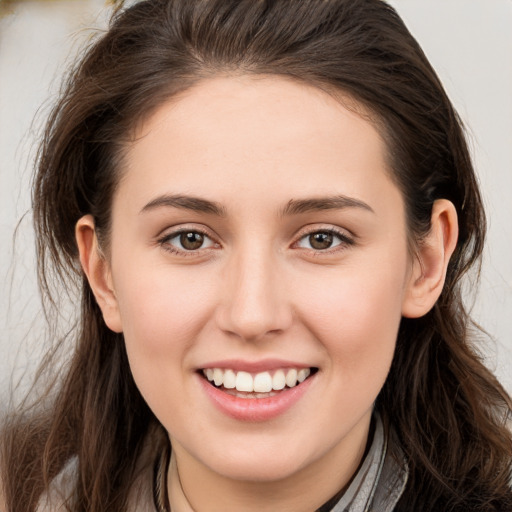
point(381, 479)
point(60, 493)
point(376, 487)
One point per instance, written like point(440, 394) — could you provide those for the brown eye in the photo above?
point(320, 240)
point(191, 240)
point(324, 240)
point(185, 242)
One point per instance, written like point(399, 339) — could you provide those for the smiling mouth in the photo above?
point(259, 385)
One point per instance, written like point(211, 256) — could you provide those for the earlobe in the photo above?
point(429, 268)
point(97, 270)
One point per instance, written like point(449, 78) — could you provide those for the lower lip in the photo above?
point(256, 409)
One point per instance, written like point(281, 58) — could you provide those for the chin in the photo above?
point(255, 467)
point(260, 473)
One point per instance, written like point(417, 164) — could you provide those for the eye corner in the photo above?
point(329, 240)
point(187, 241)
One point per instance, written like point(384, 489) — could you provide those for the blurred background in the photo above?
point(469, 43)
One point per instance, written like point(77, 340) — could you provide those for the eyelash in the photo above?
point(164, 242)
point(344, 241)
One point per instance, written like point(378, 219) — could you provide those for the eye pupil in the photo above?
point(321, 240)
point(191, 240)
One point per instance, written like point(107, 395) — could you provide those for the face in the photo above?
point(257, 242)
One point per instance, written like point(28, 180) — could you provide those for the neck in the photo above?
point(193, 487)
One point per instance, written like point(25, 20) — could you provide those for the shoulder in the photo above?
point(60, 494)
point(61, 489)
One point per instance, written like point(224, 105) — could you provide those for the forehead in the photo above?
point(250, 101)
point(231, 135)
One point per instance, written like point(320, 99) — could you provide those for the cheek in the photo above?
point(162, 313)
point(357, 317)
point(160, 308)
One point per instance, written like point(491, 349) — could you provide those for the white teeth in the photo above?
point(244, 382)
point(262, 382)
point(229, 379)
point(303, 374)
point(218, 376)
point(278, 380)
point(291, 378)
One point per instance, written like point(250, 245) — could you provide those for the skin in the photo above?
point(257, 288)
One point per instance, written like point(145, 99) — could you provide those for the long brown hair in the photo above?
point(448, 411)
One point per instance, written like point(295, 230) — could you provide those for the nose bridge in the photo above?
point(255, 302)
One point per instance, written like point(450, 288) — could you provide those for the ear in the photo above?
point(428, 272)
point(97, 270)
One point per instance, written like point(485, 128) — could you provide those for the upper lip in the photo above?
point(254, 366)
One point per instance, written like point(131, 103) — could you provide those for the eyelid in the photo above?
point(170, 233)
point(344, 235)
point(346, 238)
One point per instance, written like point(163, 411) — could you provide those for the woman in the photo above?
point(267, 208)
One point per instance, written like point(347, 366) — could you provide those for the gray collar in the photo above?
point(381, 479)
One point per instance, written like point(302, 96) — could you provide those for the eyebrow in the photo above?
point(297, 206)
point(192, 203)
point(293, 207)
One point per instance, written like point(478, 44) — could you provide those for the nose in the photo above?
point(255, 303)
